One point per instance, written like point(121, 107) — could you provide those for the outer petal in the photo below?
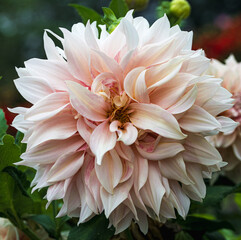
point(48, 107)
point(174, 168)
point(112, 201)
point(102, 140)
point(198, 120)
point(237, 148)
point(50, 151)
point(87, 103)
point(199, 150)
point(156, 119)
point(58, 127)
point(78, 57)
point(66, 166)
point(33, 88)
point(162, 151)
point(110, 171)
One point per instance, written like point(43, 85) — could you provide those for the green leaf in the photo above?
point(3, 124)
point(214, 236)
point(46, 222)
point(119, 7)
point(183, 236)
point(6, 192)
point(18, 139)
point(9, 152)
point(95, 229)
point(214, 196)
point(20, 179)
point(202, 224)
point(87, 14)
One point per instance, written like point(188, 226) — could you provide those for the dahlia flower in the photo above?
point(229, 143)
point(118, 121)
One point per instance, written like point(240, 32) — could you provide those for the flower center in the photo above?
point(120, 114)
point(120, 108)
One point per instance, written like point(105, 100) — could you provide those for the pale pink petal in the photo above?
point(237, 147)
point(162, 151)
point(109, 172)
point(50, 48)
point(90, 37)
point(62, 126)
point(78, 57)
point(227, 125)
point(199, 150)
point(84, 130)
point(87, 104)
point(198, 120)
point(135, 85)
point(33, 88)
point(196, 191)
point(152, 195)
point(103, 63)
point(156, 119)
point(127, 133)
point(169, 93)
point(185, 102)
point(53, 72)
point(48, 107)
point(157, 32)
point(174, 168)
point(179, 199)
point(21, 124)
point(50, 151)
point(120, 193)
point(102, 140)
point(55, 191)
point(130, 33)
point(162, 73)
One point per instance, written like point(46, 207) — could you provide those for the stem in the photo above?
point(29, 233)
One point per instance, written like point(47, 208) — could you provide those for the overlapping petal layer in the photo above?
point(118, 122)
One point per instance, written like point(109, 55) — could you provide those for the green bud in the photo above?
point(137, 4)
point(180, 8)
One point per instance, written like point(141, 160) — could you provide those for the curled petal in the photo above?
point(156, 119)
point(102, 140)
point(87, 104)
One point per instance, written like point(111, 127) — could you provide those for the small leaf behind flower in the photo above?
point(87, 14)
point(119, 7)
point(183, 236)
point(9, 152)
point(95, 229)
point(3, 124)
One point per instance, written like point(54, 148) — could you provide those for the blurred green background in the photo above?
point(22, 23)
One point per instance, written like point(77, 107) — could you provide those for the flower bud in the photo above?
point(180, 8)
point(137, 4)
